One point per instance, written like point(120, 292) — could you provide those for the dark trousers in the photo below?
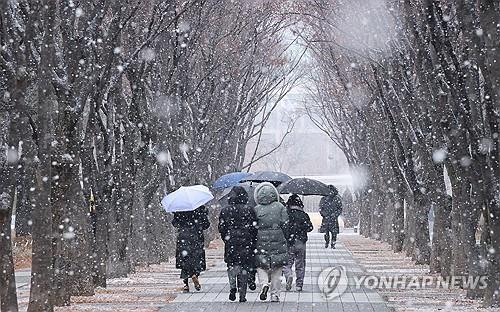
point(327, 236)
point(297, 255)
point(238, 278)
point(185, 274)
point(251, 275)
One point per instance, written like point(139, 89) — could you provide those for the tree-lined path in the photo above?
point(157, 287)
point(106, 106)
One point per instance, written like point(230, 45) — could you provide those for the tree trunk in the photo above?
point(460, 201)
point(365, 209)
point(79, 247)
point(8, 295)
point(441, 256)
point(492, 292)
point(41, 298)
point(8, 185)
point(409, 242)
point(101, 228)
point(41, 266)
point(422, 252)
point(25, 177)
point(492, 228)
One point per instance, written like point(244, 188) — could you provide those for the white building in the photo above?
point(306, 151)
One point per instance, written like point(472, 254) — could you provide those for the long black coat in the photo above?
point(190, 253)
point(330, 208)
point(299, 224)
point(237, 223)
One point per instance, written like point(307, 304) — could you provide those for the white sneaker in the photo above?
point(275, 298)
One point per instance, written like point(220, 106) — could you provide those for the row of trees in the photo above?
point(410, 91)
point(107, 105)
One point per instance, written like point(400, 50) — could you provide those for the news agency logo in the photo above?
point(333, 281)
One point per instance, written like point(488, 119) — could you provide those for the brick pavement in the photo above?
point(158, 289)
point(215, 291)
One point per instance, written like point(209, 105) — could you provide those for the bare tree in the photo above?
point(414, 107)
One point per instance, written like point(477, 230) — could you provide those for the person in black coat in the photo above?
point(237, 228)
point(190, 252)
point(330, 208)
point(299, 224)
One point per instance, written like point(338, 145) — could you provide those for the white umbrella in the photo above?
point(187, 198)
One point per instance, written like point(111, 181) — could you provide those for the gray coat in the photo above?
point(272, 219)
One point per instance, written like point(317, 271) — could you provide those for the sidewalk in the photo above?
point(214, 295)
point(158, 288)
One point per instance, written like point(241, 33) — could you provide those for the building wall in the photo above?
point(305, 151)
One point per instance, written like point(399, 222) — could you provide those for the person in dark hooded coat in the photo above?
point(330, 208)
point(190, 252)
point(237, 223)
point(299, 224)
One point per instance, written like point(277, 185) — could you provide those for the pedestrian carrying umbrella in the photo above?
point(304, 186)
point(229, 180)
point(187, 198)
point(249, 188)
point(274, 177)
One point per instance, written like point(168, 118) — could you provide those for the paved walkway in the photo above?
point(214, 295)
point(23, 278)
point(157, 288)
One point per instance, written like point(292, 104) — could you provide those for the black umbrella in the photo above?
point(304, 186)
point(274, 177)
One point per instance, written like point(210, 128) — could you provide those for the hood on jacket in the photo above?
point(237, 195)
point(294, 201)
point(265, 194)
point(333, 190)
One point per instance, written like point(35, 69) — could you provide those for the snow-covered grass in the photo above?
point(147, 290)
point(378, 259)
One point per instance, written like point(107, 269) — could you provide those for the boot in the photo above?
point(196, 282)
point(232, 294)
point(185, 289)
point(252, 285)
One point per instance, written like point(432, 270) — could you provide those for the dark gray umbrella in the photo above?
point(304, 186)
point(274, 177)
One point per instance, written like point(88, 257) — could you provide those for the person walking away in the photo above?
point(330, 208)
point(237, 223)
point(190, 252)
point(252, 270)
point(299, 224)
point(272, 219)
